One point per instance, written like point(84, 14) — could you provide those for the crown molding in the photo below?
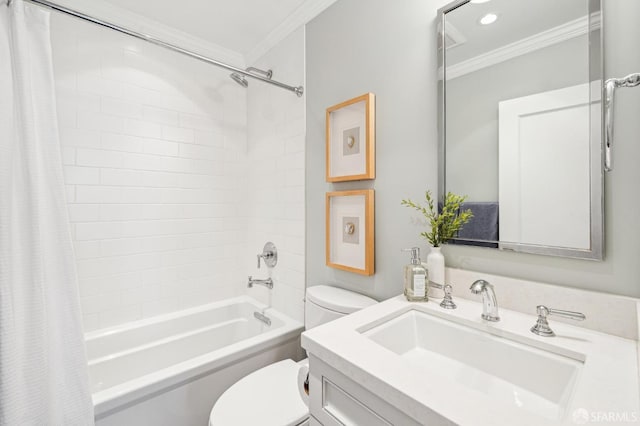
point(303, 14)
point(108, 12)
point(526, 45)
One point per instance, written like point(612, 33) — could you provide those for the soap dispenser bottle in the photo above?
point(415, 278)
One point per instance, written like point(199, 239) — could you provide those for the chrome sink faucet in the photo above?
point(489, 301)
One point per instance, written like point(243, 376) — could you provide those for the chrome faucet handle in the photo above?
point(447, 301)
point(541, 328)
point(269, 255)
point(436, 285)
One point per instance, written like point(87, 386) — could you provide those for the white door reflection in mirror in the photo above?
point(544, 151)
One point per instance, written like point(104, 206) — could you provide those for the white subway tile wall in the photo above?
point(276, 190)
point(176, 176)
point(155, 156)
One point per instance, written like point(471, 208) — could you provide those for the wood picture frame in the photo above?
point(350, 231)
point(350, 140)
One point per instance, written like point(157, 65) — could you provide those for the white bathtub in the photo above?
point(170, 369)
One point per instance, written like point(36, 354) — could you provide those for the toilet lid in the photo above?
point(337, 299)
point(268, 396)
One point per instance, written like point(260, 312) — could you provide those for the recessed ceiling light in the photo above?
point(480, 1)
point(489, 18)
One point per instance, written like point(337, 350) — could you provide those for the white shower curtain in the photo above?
point(43, 368)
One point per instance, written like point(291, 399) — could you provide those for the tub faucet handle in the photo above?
point(269, 255)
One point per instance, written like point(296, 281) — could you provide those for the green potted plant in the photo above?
point(444, 225)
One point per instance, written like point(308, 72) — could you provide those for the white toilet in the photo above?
point(270, 396)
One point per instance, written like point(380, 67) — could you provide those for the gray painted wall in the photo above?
point(389, 48)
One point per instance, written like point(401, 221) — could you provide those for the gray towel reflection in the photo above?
point(483, 226)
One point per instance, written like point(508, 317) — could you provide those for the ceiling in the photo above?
point(238, 25)
point(517, 19)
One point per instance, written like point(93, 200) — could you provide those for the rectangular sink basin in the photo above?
point(504, 369)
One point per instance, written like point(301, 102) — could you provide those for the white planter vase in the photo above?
point(435, 265)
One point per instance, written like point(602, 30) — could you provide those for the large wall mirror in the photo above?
point(520, 123)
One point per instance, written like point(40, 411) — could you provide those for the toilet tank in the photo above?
point(325, 303)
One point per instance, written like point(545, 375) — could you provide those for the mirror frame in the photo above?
point(596, 251)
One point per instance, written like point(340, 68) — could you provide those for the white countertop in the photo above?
point(607, 386)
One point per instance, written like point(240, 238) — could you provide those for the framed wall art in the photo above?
point(349, 231)
point(350, 142)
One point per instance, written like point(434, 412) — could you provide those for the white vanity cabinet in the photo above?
point(402, 363)
point(336, 400)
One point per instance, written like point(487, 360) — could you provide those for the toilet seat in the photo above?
point(267, 397)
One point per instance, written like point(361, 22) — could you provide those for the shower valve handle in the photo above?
point(267, 258)
point(269, 255)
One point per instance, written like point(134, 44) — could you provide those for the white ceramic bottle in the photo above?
point(415, 278)
point(435, 265)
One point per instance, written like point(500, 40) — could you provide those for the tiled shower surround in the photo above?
point(158, 182)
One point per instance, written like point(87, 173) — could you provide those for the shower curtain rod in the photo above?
point(299, 90)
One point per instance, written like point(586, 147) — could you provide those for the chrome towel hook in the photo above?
point(610, 87)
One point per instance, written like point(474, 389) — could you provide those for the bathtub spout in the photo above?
point(267, 283)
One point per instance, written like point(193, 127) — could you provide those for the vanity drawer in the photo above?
point(336, 400)
point(345, 409)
